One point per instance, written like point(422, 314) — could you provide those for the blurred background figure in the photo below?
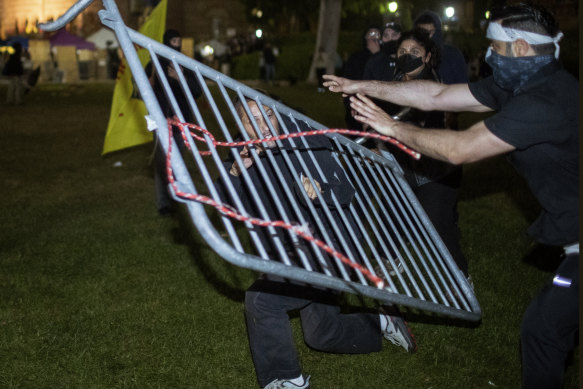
point(381, 67)
point(321, 64)
point(172, 39)
point(452, 68)
point(14, 70)
point(354, 67)
point(269, 62)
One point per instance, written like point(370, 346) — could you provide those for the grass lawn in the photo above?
point(98, 291)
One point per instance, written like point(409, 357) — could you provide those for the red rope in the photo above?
point(232, 213)
point(342, 131)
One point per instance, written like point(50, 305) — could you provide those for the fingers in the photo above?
point(333, 83)
point(310, 190)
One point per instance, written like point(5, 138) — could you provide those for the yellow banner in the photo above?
point(127, 125)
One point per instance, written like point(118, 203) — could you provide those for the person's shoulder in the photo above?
point(488, 93)
point(449, 51)
point(378, 57)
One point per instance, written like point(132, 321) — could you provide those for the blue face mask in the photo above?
point(511, 73)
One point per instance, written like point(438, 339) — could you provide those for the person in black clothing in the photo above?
point(269, 299)
point(269, 62)
point(354, 68)
point(435, 183)
point(535, 122)
point(14, 71)
point(452, 69)
point(173, 39)
point(381, 66)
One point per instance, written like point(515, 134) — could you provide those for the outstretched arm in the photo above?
point(457, 147)
point(421, 94)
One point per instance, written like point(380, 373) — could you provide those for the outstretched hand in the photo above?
point(340, 85)
point(372, 115)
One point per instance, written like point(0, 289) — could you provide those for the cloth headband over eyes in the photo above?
point(497, 32)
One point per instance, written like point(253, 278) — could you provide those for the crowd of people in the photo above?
point(410, 85)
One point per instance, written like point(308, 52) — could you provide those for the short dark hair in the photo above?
point(531, 18)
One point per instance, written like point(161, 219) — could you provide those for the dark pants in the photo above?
point(550, 330)
point(325, 329)
point(164, 200)
point(439, 200)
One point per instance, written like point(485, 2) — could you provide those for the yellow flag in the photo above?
point(127, 125)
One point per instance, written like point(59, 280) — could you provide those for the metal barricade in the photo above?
point(379, 243)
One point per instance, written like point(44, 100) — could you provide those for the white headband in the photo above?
point(505, 34)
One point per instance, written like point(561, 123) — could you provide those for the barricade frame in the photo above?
point(377, 171)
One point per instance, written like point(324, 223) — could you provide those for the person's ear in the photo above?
point(427, 57)
point(520, 48)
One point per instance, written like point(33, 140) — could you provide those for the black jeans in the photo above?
point(267, 304)
point(550, 330)
point(439, 200)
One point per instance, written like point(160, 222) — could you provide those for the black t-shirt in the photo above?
point(541, 121)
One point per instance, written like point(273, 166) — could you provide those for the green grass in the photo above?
point(98, 291)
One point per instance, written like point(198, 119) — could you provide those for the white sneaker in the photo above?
point(398, 333)
point(286, 384)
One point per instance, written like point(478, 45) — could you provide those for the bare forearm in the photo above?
point(434, 143)
point(425, 95)
point(418, 94)
point(456, 147)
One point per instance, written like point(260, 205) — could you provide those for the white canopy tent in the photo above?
point(102, 37)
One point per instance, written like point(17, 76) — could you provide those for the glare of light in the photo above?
point(7, 49)
point(393, 6)
point(259, 13)
point(259, 33)
point(487, 14)
point(449, 12)
point(207, 50)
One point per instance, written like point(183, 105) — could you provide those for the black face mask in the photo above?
point(390, 47)
point(406, 63)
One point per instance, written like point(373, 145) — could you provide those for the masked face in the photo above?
point(176, 43)
point(512, 72)
point(411, 56)
point(428, 27)
point(261, 123)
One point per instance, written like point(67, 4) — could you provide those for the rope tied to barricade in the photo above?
point(373, 135)
point(229, 211)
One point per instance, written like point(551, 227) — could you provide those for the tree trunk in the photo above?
point(327, 39)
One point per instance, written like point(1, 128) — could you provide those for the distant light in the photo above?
point(259, 13)
point(393, 6)
point(259, 33)
point(449, 12)
point(487, 14)
point(207, 50)
point(7, 49)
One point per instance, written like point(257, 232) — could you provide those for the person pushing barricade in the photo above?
point(536, 122)
point(270, 298)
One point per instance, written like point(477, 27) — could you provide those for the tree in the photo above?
point(327, 38)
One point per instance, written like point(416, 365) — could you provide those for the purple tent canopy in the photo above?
point(64, 38)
